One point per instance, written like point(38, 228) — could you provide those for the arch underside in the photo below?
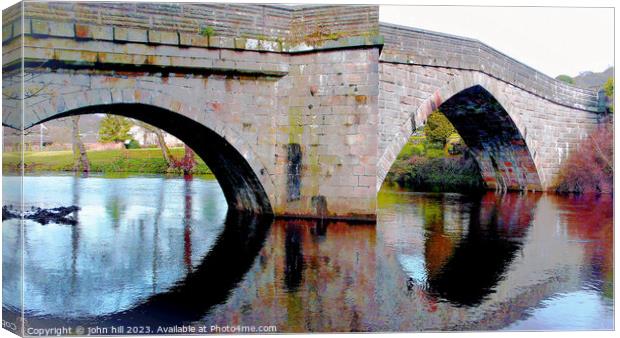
point(493, 138)
point(240, 184)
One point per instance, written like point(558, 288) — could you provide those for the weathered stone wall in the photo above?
point(328, 106)
point(337, 21)
point(264, 22)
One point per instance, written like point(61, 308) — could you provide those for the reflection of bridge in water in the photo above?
point(477, 263)
point(210, 283)
point(464, 269)
point(510, 253)
point(483, 264)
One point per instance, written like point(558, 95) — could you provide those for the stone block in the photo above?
point(62, 29)
point(163, 37)
point(115, 58)
point(185, 39)
point(40, 27)
point(222, 42)
point(190, 62)
point(199, 41)
point(83, 31)
point(102, 32)
point(7, 32)
point(367, 181)
point(38, 53)
point(75, 55)
point(130, 34)
point(17, 27)
point(240, 43)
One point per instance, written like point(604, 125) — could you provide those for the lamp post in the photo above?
point(41, 128)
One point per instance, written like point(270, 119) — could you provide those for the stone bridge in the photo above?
point(298, 111)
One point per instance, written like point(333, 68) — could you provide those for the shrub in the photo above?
point(207, 31)
point(565, 78)
point(609, 91)
point(589, 169)
point(438, 128)
point(133, 144)
point(415, 146)
point(437, 174)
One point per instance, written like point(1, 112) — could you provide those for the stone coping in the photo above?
point(42, 29)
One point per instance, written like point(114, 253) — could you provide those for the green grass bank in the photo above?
point(426, 166)
point(145, 160)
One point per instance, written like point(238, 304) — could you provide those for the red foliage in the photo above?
point(187, 163)
point(589, 169)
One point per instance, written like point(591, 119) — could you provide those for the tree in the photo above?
point(590, 167)
point(188, 162)
point(438, 128)
point(165, 151)
point(565, 78)
point(609, 91)
point(79, 151)
point(114, 128)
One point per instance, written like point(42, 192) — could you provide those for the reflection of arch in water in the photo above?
point(497, 227)
point(209, 284)
point(231, 161)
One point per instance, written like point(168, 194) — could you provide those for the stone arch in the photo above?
point(241, 174)
point(474, 102)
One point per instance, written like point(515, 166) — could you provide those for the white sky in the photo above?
point(552, 40)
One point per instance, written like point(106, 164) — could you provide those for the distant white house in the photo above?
point(147, 138)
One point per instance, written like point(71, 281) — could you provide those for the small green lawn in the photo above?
point(146, 160)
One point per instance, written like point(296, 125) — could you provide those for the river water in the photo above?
point(156, 251)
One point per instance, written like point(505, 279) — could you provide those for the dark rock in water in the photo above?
point(8, 214)
point(60, 215)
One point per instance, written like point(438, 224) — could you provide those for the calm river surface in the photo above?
point(164, 251)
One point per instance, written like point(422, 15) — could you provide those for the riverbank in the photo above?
point(424, 166)
point(145, 160)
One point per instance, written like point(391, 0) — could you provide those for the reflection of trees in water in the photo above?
point(209, 284)
point(464, 269)
point(115, 206)
point(589, 218)
point(439, 246)
point(187, 224)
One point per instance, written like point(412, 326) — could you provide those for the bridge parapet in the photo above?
point(406, 45)
point(88, 34)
